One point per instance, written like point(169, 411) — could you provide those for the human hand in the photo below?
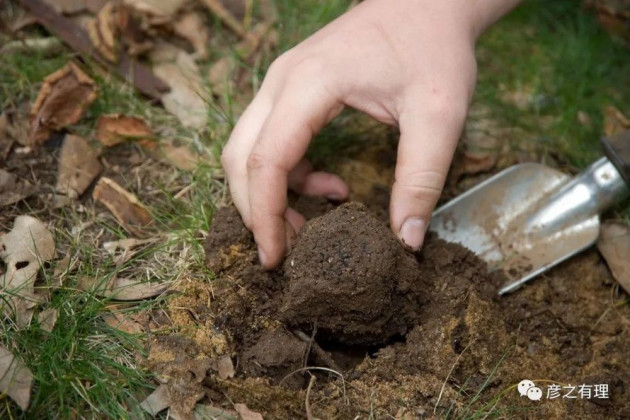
point(408, 63)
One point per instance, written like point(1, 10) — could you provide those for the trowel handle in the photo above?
point(617, 150)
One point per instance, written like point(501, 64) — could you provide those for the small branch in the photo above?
point(72, 34)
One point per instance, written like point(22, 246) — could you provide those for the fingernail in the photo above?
point(412, 232)
point(334, 197)
point(262, 257)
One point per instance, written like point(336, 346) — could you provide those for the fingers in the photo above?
point(279, 148)
point(425, 151)
point(303, 180)
point(236, 152)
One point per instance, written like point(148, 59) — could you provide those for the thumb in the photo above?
point(425, 152)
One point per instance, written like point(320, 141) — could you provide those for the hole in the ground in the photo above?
point(348, 356)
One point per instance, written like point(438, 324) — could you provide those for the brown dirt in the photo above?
point(411, 334)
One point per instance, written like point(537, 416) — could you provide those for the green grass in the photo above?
point(554, 50)
point(560, 54)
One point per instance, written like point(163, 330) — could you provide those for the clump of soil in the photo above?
point(348, 275)
point(410, 334)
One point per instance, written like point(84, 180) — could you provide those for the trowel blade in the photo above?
point(489, 220)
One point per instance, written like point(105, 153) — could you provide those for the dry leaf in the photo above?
point(180, 157)
point(614, 245)
point(158, 400)
point(15, 378)
point(12, 190)
point(246, 413)
point(78, 166)
point(185, 99)
point(14, 126)
point(128, 211)
point(63, 98)
point(123, 289)
point(192, 27)
point(47, 319)
point(113, 129)
point(103, 32)
point(23, 250)
point(123, 323)
point(225, 367)
point(614, 121)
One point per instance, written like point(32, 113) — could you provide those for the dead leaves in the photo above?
point(62, 100)
point(614, 121)
point(614, 245)
point(185, 100)
point(13, 190)
point(126, 208)
point(15, 378)
point(78, 167)
point(113, 129)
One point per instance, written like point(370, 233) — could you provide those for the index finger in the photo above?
point(281, 144)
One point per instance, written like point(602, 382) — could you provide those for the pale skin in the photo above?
point(407, 63)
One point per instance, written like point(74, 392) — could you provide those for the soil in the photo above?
point(413, 335)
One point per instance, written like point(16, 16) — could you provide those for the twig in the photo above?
point(72, 34)
point(307, 403)
point(319, 352)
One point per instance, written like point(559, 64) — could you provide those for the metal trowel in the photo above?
point(530, 217)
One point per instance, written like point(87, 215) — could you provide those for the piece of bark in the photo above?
point(77, 38)
point(126, 208)
point(62, 100)
point(78, 166)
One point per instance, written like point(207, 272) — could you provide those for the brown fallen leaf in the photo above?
point(47, 319)
point(159, 400)
point(103, 32)
point(225, 367)
point(123, 289)
point(192, 27)
point(614, 121)
point(114, 129)
point(78, 166)
point(123, 323)
point(14, 127)
point(12, 190)
point(180, 157)
point(185, 100)
point(128, 211)
point(246, 413)
point(24, 250)
point(15, 378)
point(62, 100)
point(614, 245)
